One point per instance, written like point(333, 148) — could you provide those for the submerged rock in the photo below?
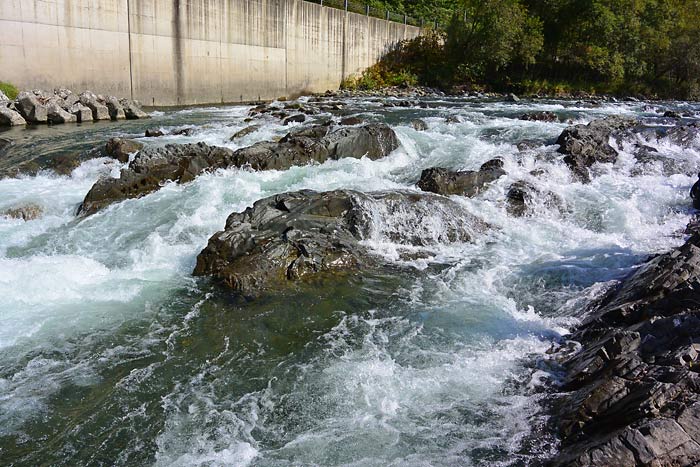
point(419, 125)
point(292, 236)
point(633, 390)
point(245, 131)
point(543, 116)
point(522, 196)
point(26, 212)
point(467, 183)
point(181, 163)
point(584, 145)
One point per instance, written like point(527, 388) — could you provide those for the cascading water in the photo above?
point(111, 353)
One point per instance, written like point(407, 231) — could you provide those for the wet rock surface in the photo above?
point(543, 116)
point(633, 389)
point(151, 168)
point(466, 183)
point(584, 145)
point(120, 148)
point(25, 212)
point(292, 236)
point(181, 163)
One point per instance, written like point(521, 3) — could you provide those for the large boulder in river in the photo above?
point(293, 236)
point(151, 168)
point(584, 145)
point(466, 183)
point(31, 108)
point(319, 144)
point(631, 394)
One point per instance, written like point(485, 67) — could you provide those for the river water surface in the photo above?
point(111, 353)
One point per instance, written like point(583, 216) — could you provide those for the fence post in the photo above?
point(404, 18)
point(321, 2)
point(346, 5)
point(387, 15)
point(367, 9)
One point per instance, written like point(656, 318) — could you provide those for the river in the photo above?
point(111, 353)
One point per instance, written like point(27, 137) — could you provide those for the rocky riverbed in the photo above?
point(362, 280)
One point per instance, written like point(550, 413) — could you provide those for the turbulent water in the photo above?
point(111, 353)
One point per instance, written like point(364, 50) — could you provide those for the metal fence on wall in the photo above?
point(363, 9)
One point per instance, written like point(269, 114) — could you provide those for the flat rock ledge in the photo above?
point(181, 163)
point(632, 370)
point(285, 238)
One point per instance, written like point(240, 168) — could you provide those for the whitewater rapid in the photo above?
point(112, 353)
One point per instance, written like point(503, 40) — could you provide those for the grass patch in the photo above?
point(9, 90)
point(378, 76)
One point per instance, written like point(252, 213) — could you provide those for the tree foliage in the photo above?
point(650, 46)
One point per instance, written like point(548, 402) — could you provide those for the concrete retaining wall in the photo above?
point(181, 52)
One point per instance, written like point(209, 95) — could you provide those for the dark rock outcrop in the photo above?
point(633, 389)
point(522, 195)
point(584, 145)
point(294, 236)
point(151, 168)
point(352, 120)
point(181, 163)
point(467, 183)
point(695, 193)
point(298, 118)
point(245, 131)
point(119, 148)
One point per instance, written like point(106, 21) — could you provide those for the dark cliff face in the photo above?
point(633, 389)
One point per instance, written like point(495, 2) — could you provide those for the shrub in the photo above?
point(9, 90)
